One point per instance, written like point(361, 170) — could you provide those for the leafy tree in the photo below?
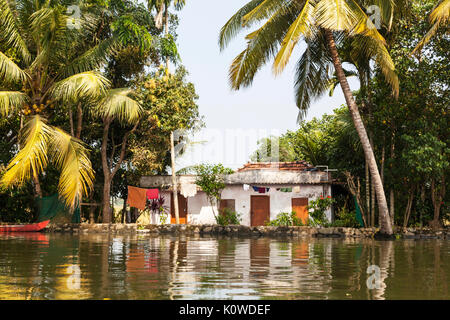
point(210, 180)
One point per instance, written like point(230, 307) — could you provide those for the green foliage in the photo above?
point(316, 210)
point(285, 219)
point(345, 218)
point(228, 217)
point(210, 180)
point(170, 103)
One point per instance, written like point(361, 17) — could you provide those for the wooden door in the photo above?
point(300, 207)
point(182, 209)
point(259, 210)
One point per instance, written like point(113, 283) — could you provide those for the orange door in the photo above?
point(182, 209)
point(259, 210)
point(300, 207)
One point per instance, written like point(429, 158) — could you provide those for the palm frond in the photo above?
point(92, 59)
point(312, 75)
point(302, 26)
point(335, 15)
point(373, 49)
point(440, 13)
point(438, 17)
point(9, 71)
point(263, 11)
point(11, 32)
point(11, 100)
point(234, 25)
point(119, 105)
point(334, 82)
point(90, 84)
point(71, 157)
point(262, 45)
point(32, 158)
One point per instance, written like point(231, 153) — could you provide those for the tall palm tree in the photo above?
point(162, 10)
point(45, 69)
point(162, 20)
point(438, 17)
point(321, 23)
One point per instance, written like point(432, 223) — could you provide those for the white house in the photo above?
point(257, 191)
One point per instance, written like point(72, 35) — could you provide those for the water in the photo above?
point(58, 266)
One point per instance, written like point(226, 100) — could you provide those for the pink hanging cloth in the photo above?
point(152, 193)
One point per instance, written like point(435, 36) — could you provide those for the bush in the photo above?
point(347, 219)
point(317, 208)
point(285, 219)
point(228, 217)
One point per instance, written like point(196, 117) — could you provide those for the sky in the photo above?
point(235, 120)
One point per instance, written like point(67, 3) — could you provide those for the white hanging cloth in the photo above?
point(188, 190)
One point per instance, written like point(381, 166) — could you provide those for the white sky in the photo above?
point(235, 120)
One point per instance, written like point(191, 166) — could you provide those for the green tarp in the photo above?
point(358, 213)
point(52, 208)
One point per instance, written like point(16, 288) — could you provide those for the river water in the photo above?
point(62, 266)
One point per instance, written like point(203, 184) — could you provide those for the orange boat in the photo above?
point(33, 227)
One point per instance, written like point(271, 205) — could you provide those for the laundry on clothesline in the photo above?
point(296, 189)
point(188, 190)
point(246, 187)
point(152, 194)
point(284, 189)
point(137, 197)
point(260, 189)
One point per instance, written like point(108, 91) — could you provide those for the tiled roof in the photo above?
point(287, 166)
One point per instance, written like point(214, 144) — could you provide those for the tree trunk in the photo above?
point(437, 195)
point(79, 121)
point(392, 192)
point(71, 122)
point(106, 214)
point(37, 187)
point(385, 227)
point(368, 191)
point(408, 207)
point(174, 179)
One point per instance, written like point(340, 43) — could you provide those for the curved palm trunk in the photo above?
point(385, 227)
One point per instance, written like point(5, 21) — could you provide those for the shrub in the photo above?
point(317, 208)
point(345, 218)
point(228, 217)
point(285, 219)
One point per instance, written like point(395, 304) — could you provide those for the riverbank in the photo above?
point(239, 230)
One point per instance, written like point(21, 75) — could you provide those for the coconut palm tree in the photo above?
point(162, 20)
point(162, 10)
point(322, 24)
point(45, 69)
point(438, 17)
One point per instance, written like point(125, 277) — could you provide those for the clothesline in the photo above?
point(295, 189)
point(137, 197)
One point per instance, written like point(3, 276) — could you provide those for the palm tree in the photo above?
point(162, 10)
point(45, 69)
point(438, 17)
point(321, 23)
point(162, 19)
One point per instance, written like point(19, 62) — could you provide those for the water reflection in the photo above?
point(39, 266)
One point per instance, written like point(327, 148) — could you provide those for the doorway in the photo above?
point(300, 207)
point(259, 210)
point(182, 209)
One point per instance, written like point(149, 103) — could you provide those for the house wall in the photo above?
point(200, 211)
